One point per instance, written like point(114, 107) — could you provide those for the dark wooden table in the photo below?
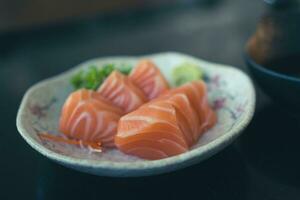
point(262, 164)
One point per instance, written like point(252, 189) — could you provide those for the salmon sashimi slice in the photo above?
point(149, 79)
point(122, 92)
point(187, 115)
point(152, 132)
point(196, 92)
point(87, 116)
point(210, 119)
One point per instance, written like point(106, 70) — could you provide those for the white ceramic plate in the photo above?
point(231, 94)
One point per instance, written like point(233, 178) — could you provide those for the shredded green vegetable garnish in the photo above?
point(93, 77)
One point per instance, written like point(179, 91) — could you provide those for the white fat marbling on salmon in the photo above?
point(119, 90)
point(149, 79)
point(171, 142)
point(74, 111)
point(161, 108)
point(100, 125)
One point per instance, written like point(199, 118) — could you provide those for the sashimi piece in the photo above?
point(149, 79)
point(187, 115)
point(152, 131)
point(87, 116)
point(120, 90)
point(210, 117)
point(168, 125)
point(196, 92)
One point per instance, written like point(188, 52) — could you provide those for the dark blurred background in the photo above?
point(42, 38)
point(19, 14)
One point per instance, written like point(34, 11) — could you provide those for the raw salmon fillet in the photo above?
point(149, 79)
point(197, 94)
point(87, 116)
point(186, 115)
point(151, 132)
point(168, 125)
point(120, 90)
